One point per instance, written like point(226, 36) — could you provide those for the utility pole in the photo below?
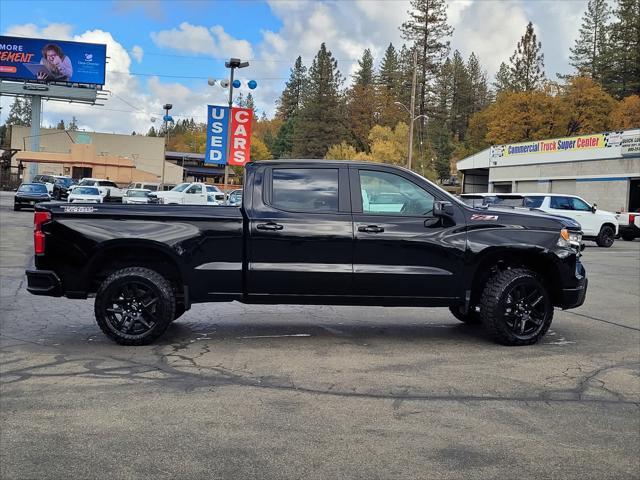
point(232, 64)
point(36, 114)
point(413, 106)
point(166, 107)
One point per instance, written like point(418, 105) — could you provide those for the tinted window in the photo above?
point(387, 193)
point(580, 205)
point(561, 203)
point(306, 189)
point(195, 189)
point(86, 191)
point(65, 182)
point(33, 188)
point(107, 184)
point(151, 187)
point(212, 189)
point(533, 202)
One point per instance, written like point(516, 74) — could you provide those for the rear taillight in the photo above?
point(38, 235)
point(632, 218)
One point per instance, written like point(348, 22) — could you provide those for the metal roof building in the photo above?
point(603, 168)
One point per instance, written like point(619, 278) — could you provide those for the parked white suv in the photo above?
point(598, 225)
point(194, 193)
point(109, 190)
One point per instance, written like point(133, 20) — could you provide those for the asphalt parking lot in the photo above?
point(275, 392)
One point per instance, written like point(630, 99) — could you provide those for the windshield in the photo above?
point(212, 189)
point(33, 188)
point(65, 182)
point(180, 188)
point(137, 193)
point(86, 191)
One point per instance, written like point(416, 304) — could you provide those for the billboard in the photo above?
point(45, 60)
point(218, 124)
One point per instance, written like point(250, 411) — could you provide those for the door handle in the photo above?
point(269, 226)
point(370, 229)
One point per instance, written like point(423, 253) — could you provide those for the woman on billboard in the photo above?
point(57, 65)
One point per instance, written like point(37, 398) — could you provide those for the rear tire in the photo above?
point(134, 306)
point(470, 318)
point(516, 308)
point(606, 237)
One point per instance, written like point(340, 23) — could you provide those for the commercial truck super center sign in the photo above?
point(223, 127)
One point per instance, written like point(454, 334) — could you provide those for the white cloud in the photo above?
point(54, 31)
point(212, 41)
point(137, 53)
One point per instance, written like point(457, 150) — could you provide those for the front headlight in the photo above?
point(569, 239)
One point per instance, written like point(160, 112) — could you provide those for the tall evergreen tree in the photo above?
point(460, 97)
point(388, 76)
point(19, 113)
point(503, 81)
point(321, 119)
point(429, 31)
point(527, 63)
point(440, 124)
point(588, 53)
point(361, 102)
point(388, 89)
point(480, 96)
point(624, 78)
point(290, 100)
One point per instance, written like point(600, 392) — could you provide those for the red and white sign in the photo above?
point(240, 149)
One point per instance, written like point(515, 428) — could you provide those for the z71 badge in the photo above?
point(478, 217)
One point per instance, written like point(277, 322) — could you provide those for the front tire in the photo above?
point(516, 308)
point(606, 237)
point(470, 318)
point(134, 306)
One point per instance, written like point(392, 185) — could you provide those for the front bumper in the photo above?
point(44, 282)
point(575, 296)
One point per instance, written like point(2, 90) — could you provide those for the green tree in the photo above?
point(19, 113)
point(503, 81)
point(290, 100)
point(320, 122)
point(460, 96)
point(590, 49)
point(283, 142)
point(624, 78)
point(388, 89)
point(152, 132)
point(429, 31)
point(527, 63)
point(480, 95)
point(361, 101)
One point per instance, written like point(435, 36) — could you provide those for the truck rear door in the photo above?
point(301, 234)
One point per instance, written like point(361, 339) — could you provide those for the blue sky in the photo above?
point(155, 45)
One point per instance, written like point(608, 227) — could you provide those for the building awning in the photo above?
point(206, 171)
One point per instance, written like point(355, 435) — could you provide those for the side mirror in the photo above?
point(594, 207)
point(443, 209)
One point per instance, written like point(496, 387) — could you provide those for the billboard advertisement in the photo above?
point(218, 124)
point(45, 60)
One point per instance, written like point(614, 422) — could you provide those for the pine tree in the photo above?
point(503, 81)
point(361, 102)
point(20, 113)
point(480, 96)
point(388, 89)
point(527, 63)
point(624, 50)
point(321, 121)
point(588, 53)
point(388, 76)
point(290, 100)
point(440, 124)
point(460, 96)
point(152, 132)
point(428, 29)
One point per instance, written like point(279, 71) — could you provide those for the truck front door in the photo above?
point(301, 234)
point(401, 249)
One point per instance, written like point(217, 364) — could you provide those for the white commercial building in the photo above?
point(603, 168)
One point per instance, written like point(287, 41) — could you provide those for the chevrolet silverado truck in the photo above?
point(312, 232)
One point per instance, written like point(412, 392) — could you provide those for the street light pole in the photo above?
point(232, 64)
point(167, 107)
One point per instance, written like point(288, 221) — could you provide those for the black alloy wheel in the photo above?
point(516, 308)
point(134, 306)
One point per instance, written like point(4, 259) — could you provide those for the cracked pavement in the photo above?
point(274, 392)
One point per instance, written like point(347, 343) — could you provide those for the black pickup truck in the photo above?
point(312, 232)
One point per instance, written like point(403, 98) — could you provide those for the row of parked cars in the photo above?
point(598, 225)
point(94, 190)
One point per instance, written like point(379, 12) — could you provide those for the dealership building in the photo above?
point(602, 168)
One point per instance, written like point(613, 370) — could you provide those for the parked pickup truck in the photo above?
point(312, 232)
